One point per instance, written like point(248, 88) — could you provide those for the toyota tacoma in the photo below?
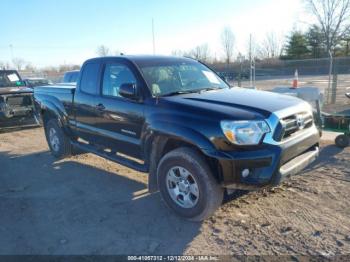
point(177, 120)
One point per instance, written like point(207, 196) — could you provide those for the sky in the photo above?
point(54, 32)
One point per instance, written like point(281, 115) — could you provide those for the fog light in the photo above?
point(245, 173)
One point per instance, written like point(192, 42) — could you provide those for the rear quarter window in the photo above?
point(89, 78)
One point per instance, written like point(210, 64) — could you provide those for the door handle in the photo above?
point(100, 107)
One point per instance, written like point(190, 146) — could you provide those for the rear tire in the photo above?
point(342, 141)
point(58, 141)
point(187, 184)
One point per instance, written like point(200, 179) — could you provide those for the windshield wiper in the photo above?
point(181, 92)
point(210, 88)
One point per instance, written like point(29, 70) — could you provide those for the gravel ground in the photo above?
point(88, 205)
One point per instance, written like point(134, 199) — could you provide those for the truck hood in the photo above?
point(238, 101)
point(14, 90)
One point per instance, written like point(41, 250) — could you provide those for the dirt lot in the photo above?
point(88, 205)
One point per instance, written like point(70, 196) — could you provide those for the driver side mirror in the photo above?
point(128, 90)
point(347, 95)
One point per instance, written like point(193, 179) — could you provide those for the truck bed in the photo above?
point(58, 88)
point(61, 95)
point(63, 92)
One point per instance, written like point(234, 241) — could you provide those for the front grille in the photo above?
point(19, 100)
point(293, 124)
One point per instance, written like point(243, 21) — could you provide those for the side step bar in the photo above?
point(113, 157)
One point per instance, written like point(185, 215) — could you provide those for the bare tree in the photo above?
point(29, 67)
point(227, 41)
point(18, 63)
point(177, 52)
point(201, 53)
point(65, 67)
point(271, 46)
point(102, 50)
point(333, 17)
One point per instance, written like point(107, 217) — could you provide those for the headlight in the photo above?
point(244, 132)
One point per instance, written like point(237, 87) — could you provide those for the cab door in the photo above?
point(120, 120)
point(85, 105)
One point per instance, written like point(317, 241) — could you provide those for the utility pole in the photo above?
point(254, 72)
point(154, 40)
point(330, 74)
point(251, 63)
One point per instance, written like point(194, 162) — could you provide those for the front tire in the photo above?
point(187, 184)
point(57, 140)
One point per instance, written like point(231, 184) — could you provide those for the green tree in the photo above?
point(333, 18)
point(297, 46)
point(345, 44)
point(316, 42)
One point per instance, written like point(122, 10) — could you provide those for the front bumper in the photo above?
point(296, 165)
point(269, 163)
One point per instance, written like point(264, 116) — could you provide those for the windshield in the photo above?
point(183, 77)
point(10, 79)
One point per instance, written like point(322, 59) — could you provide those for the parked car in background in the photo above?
point(193, 134)
point(71, 76)
point(16, 101)
point(36, 81)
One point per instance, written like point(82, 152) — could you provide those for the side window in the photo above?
point(89, 79)
point(114, 76)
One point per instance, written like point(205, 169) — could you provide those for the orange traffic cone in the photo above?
point(295, 80)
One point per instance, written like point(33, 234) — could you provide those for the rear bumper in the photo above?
point(269, 164)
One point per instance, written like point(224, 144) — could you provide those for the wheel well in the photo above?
point(47, 115)
point(162, 145)
point(173, 144)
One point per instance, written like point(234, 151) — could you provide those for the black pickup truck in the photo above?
point(16, 101)
point(175, 119)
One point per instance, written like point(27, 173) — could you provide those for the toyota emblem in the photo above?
point(300, 122)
